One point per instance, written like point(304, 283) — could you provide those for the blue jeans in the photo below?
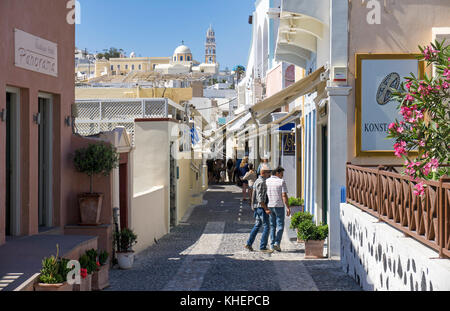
point(262, 220)
point(276, 225)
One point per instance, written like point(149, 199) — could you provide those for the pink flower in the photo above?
point(420, 190)
point(400, 130)
point(392, 126)
point(400, 149)
point(421, 143)
point(409, 98)
point(434, 163)
point(445, 85)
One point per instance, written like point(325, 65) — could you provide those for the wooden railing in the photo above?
point(388, 195)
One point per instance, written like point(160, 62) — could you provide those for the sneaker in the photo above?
point(276, 248)
point(249, 248)
point(266, 250)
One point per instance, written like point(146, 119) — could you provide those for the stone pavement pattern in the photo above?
point(206, 252)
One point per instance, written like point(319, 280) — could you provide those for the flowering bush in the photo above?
point(424, 106)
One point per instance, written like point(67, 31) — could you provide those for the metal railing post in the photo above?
point(378, 198)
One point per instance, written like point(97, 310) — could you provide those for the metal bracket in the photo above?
point(37, 118)
point(3, 115)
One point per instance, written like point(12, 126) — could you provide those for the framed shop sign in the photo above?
point(376, 75)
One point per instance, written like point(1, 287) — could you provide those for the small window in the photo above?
point(126, 67)
point(140, 67)
point(174, 58)
point(132, 67)
point(188, 58)
point(118, 67)
point(112, 67)
point(181, 58)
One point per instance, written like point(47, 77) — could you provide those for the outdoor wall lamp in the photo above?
point(3, 115)
point(37, 118)
point(67, 121)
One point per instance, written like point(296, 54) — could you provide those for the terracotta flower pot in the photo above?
point(90, 208)
point(85, 286)
point(61, 287)
point(314, 249)
point(100, 278)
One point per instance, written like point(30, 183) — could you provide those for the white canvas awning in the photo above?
point(240, 123)
point(305, 86)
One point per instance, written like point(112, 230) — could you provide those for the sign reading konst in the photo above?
point(36, 54)
point(378, 76)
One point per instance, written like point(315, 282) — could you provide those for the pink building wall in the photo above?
point(45, 19)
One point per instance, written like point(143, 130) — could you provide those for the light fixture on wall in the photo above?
point(3, 115)
point(37, 118)
point(67, 121)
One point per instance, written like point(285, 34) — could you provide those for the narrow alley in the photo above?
point(206, 252)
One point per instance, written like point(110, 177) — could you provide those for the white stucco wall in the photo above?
point(380, 257)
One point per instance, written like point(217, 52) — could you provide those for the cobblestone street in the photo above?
point(206, 252)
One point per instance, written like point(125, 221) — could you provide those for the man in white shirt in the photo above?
point(278, 199)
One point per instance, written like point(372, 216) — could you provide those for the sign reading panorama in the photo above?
point(378, 108)
point(35, 54)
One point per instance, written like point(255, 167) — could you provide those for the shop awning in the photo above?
point(289, 117)
point(240, 123)
point(305, 86)
point(223, 127)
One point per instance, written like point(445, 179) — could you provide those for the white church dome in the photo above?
point(182, 49)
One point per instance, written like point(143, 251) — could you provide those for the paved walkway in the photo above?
point(206, 252)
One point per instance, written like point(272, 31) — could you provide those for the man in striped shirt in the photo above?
point(278, 198)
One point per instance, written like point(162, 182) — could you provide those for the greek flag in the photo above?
point(194, 136)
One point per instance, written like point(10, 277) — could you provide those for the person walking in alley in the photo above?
point(251, 178)
point(243, 169)
point(261, 212)
point(230, 168)
point(264, 161)
point(278, 199)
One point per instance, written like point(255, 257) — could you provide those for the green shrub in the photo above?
point(54, 269)
point(298, 218)
point(295, 201)
point(124, 240)
point(103, 257)
point(308, 230)
point(96, 159)
point(86, 262)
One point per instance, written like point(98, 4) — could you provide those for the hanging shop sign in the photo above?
point(288, 144)
point(35, 54)
point(377, 75)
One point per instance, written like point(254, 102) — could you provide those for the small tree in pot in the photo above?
point(314, 237)
point(124, 240)
point(96, 159)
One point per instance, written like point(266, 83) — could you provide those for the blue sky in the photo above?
point(154, 28)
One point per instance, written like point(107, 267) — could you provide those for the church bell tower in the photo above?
point(210, 46)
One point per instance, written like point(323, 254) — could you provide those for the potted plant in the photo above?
point(314, 237)
point(100, 277)
point(53, 276)
point(297, 219)
point(125, 239)
point(95, 159)
point(296, 204)
point(88, 265)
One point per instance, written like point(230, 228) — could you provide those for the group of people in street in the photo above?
point(269, 203)
point(265, 190)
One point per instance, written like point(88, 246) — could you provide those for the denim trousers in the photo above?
point(261, 220)
point(276, 225)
